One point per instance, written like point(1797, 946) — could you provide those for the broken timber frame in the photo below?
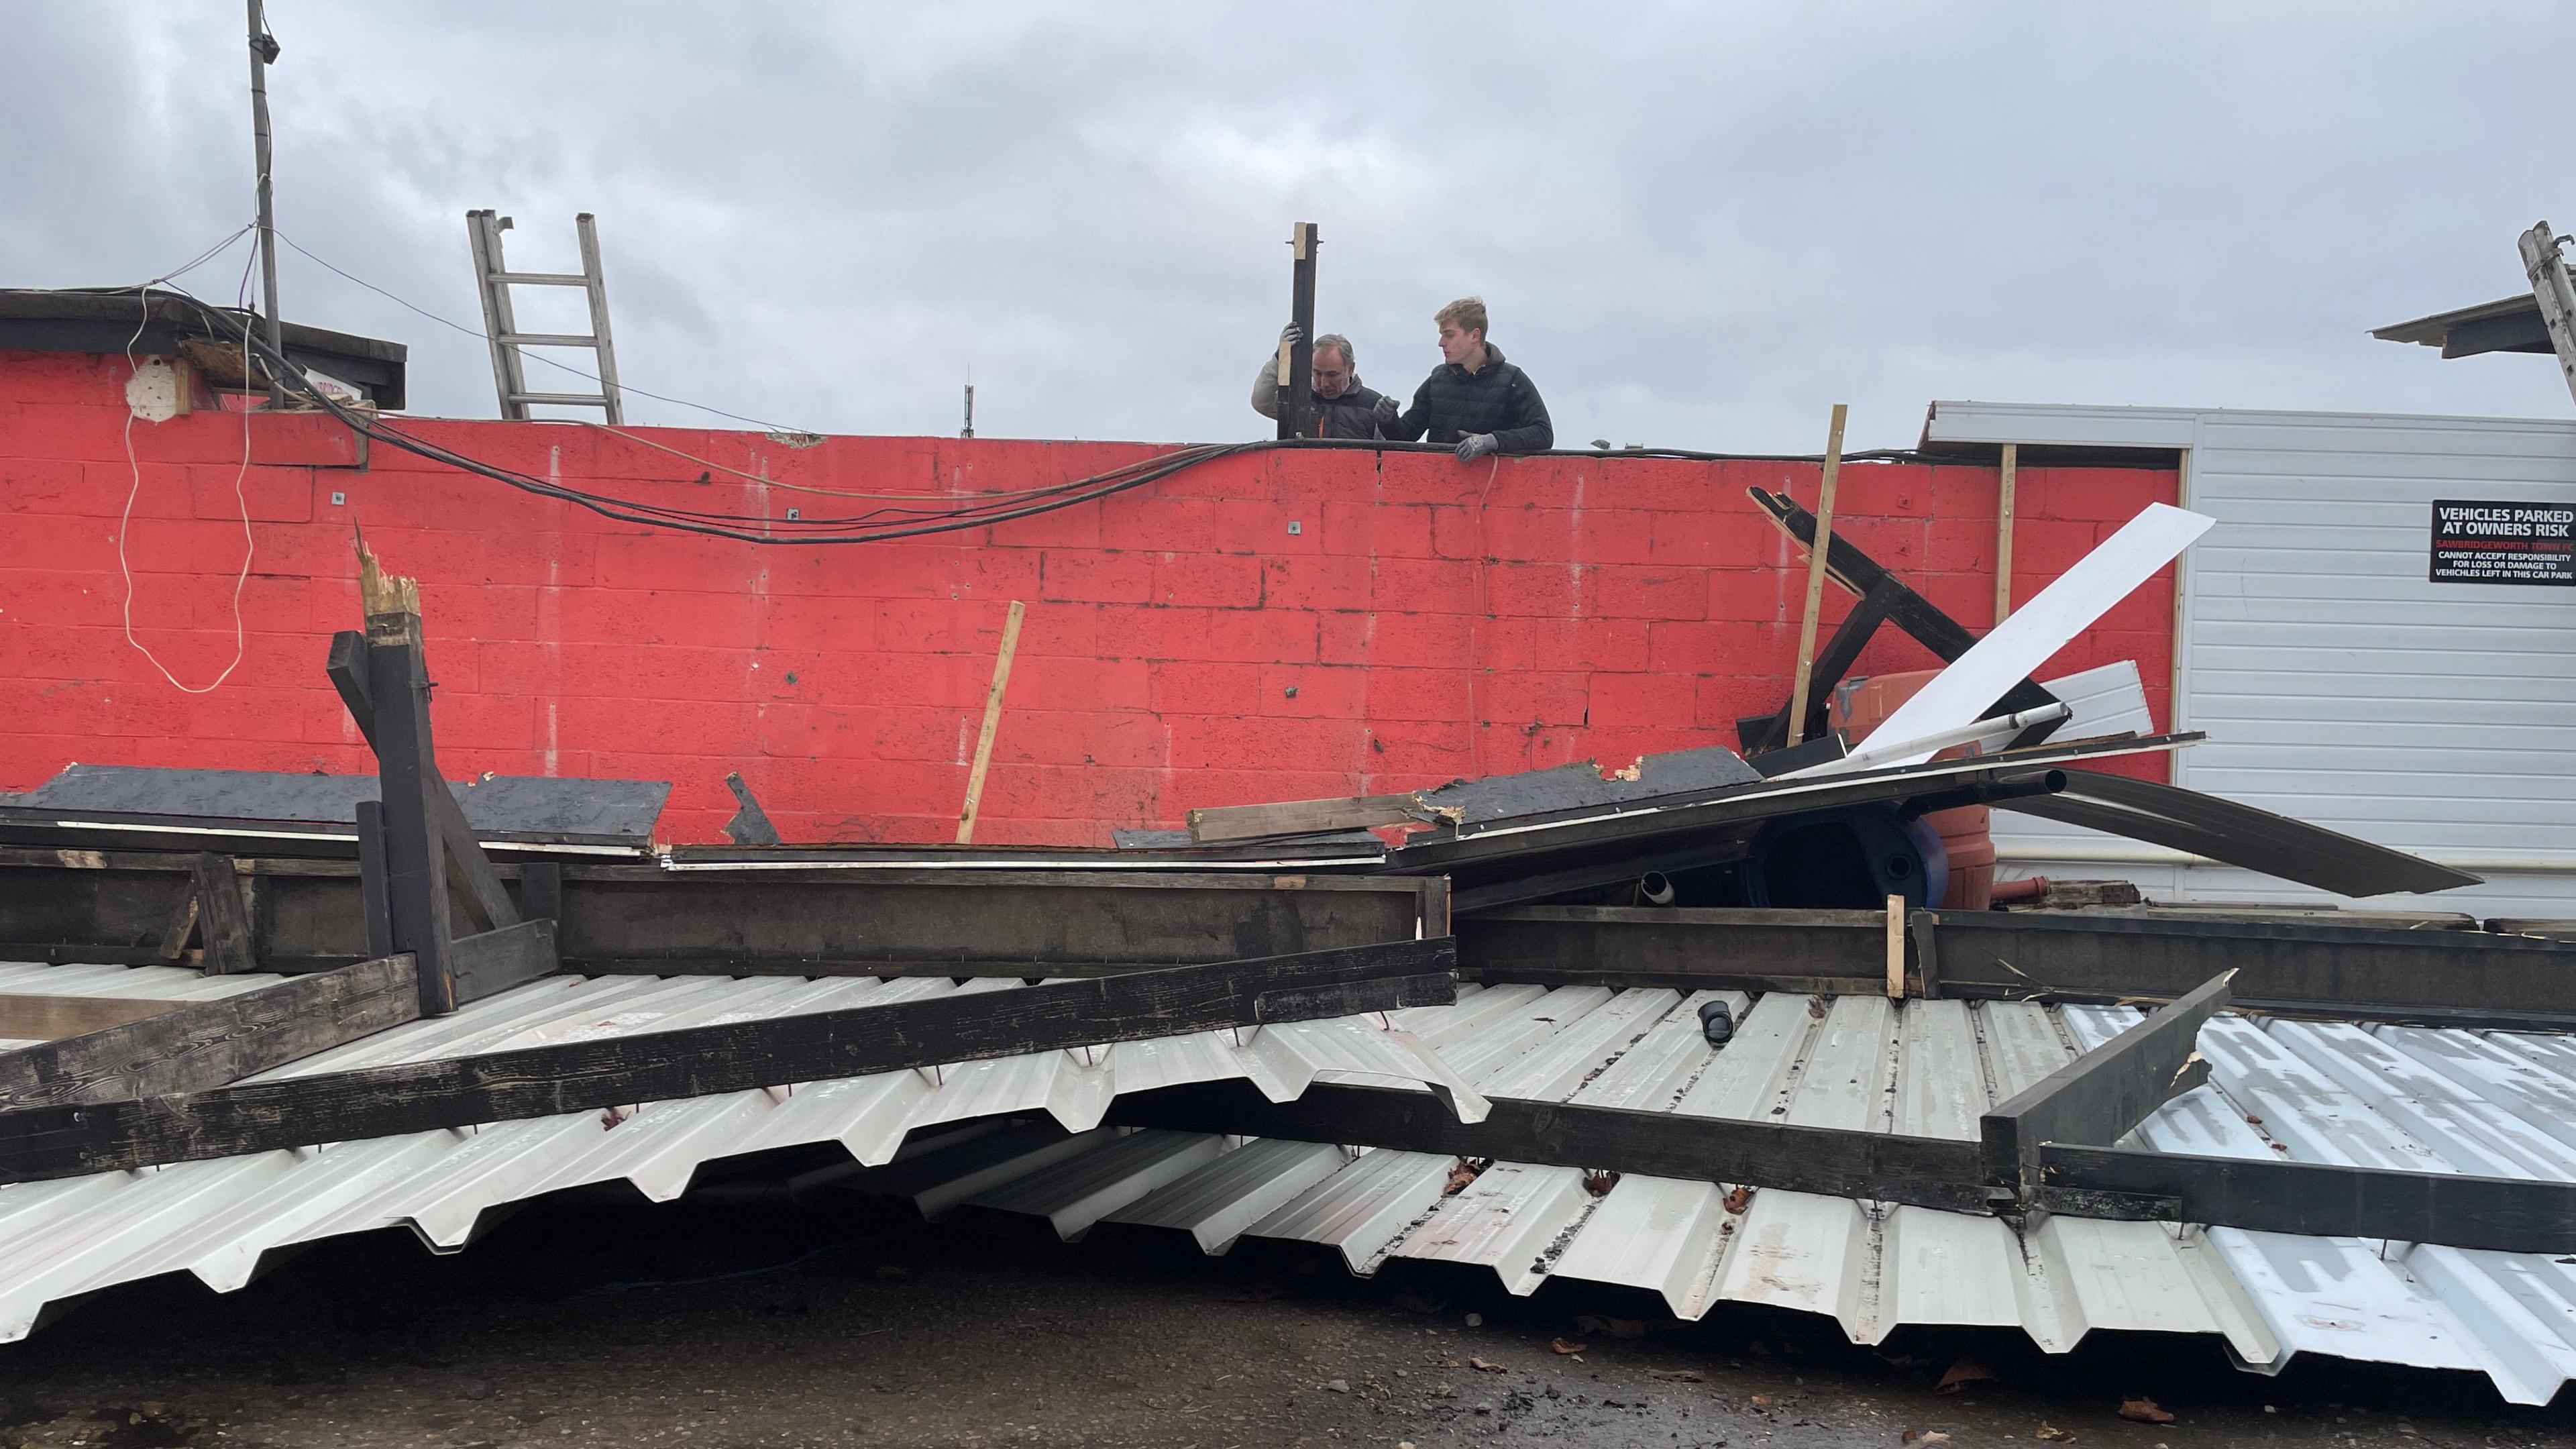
point(51, 1142)
point(418, 831)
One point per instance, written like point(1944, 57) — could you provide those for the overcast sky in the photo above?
point(1696, 226)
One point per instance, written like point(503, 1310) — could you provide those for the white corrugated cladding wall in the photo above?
point(2336, 682)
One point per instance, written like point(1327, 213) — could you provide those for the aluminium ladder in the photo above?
point(500, 325)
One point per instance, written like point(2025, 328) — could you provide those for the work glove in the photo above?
point(1476, 445)
point(1291, 334)
point(1385, 413)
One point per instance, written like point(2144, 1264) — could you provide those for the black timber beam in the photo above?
point(1762, 733)
point(1865, 577)
point(200, 1044)
point(2328, 1200)
point(735, 1056)
point(2095, 1099)
point(351, 669)
point(1931, 1172)
point(223, 921)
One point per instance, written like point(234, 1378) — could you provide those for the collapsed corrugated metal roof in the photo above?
point(2495, 1103)
point(217, 1217)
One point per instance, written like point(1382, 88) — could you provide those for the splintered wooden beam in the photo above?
point(188, 1046)
point(2100, 1096)
point(1308, 817)
point(735, 1056)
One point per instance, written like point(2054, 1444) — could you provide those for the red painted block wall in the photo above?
point(1273, 625)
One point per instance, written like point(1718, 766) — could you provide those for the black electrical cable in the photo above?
point(897, 521)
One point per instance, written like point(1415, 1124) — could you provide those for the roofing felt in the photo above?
point(501, 805)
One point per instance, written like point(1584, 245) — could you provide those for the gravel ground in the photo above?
point(598, 1321)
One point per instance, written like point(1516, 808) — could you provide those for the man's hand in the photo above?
point(1475, 445)
point(1291, 335)
point(1385, 412)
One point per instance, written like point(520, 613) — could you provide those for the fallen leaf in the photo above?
point(1482, 1367)
point(1816, 1007)
point(1681, 1376)
point(1599, 1183)
point(1459, 1176)
point(2144, 1411)
point(1561, 1346)
point(2054, 1434)
point(1961, 1374)
point(1739, 1199)
point(1760, 1401)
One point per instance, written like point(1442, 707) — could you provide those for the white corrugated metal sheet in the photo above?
point(2496, 1103)
point(2337, 683)
point(2464, 1101)
point(217, 1218)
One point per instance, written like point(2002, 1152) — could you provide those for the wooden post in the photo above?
point(2003, 534)
point(1816, 553)
point(992, 722)
point(1896, 947)
point(372, 901)
point(1297, 363)
point(222, 921)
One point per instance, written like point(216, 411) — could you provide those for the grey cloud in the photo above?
point(1697, 226)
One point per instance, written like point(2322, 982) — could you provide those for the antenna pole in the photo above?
point(263, 52)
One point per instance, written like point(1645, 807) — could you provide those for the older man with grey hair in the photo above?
point(1343, 408)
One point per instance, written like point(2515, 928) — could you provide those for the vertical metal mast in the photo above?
point(263, 53)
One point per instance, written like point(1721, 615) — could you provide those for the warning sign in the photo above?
point(2504, 543)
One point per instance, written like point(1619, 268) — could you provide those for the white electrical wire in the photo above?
point(125, 519)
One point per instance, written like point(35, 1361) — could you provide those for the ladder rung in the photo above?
point(542, 279)
point(565, 399)
point(546, 339)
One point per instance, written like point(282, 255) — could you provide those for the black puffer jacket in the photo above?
point(1352, 415)
point(1496, 398)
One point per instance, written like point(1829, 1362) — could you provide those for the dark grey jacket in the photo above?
point(1352, 415)
point(1496, 398)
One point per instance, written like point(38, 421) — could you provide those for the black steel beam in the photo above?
point(2240, 835)
point(735, 1056)
point(2433, 978)
point(2101, 1095)
point(1834, 953)
point(1919, 1171)
point(2312, 968)
point(2327, 1200)
point(109, 906)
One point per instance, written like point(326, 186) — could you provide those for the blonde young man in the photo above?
point(1474, 399)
